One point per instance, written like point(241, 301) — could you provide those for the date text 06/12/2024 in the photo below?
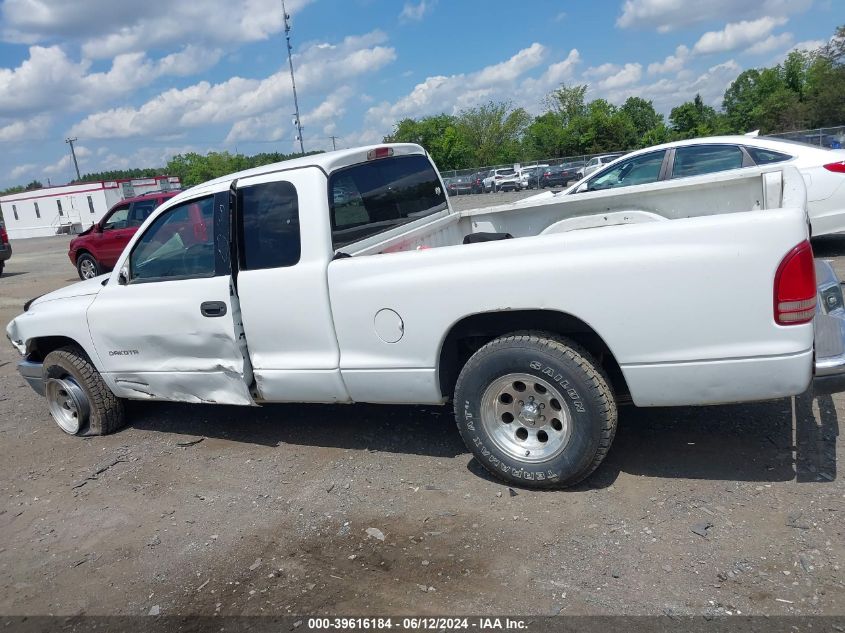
point(421, 623)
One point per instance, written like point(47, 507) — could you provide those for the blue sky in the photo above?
point(141, 82)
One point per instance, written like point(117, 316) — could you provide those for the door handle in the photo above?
point(213, 308)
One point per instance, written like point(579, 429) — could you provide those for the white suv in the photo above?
point(597, 162)
point(501, 180)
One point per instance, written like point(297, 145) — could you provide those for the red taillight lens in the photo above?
point(795, 287)
point(380, 152)
point(839, 167)
point(4, 237)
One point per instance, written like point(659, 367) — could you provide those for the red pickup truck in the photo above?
point(96, 250)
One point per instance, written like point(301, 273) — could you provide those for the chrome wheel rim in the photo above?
point(87, 268)
point(526, 417)
point(68, 404)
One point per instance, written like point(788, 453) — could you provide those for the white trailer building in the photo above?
point(71, 208)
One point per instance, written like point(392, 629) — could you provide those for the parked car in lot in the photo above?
point(195, 310)
point(477, 181)
point(596, 162)
point(823, 169)
point(95, 251)
point(530, 176)
point(5, 248)
point(558, 175)
point(501, 180)
point(457, 185)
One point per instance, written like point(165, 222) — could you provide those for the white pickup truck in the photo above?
point(347, 277)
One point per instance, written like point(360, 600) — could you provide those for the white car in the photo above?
point(597, 162)
point(505, 179)
point(347, 277)
point(823, 169)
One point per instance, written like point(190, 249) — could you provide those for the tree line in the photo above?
point(804, 91)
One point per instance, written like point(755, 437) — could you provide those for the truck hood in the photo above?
point(79, 289)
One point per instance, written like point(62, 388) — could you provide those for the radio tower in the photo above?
point(292, 80)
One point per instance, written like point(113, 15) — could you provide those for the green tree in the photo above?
point(439, 135)
point(642, 114)
point(694, 118)
point(567, 102)
point(493, 132)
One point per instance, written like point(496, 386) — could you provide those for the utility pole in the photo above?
point(71, 141)
point(334, 138)
point(296, 121)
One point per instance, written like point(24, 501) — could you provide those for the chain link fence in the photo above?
point(830, 137)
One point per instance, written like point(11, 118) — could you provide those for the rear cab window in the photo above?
point(380, 195)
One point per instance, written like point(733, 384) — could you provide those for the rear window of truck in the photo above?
point(380, 195)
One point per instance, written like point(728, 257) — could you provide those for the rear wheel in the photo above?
point(87, 266)
point(80, 401)
point(535, 410)
point(2, 266)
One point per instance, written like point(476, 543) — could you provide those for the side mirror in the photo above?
point(123, 275)
point(98, 228)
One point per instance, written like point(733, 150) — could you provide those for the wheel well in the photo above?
point(468, 335)
point(37, 349)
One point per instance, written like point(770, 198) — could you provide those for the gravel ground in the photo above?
point(380, 509)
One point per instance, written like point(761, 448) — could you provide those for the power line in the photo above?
point(296, 121)
point(71, 141)
point(334, 138)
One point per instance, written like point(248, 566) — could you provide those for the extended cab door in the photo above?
point(167, 325)
point(284, 248)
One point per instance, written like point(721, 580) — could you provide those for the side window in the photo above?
point(118, 219)
point(141, 211)
point(269, 225)
point(639, 170)
point(767, 156)
point(179, 244)
point(696, 160)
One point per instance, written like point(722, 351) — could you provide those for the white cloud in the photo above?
point(24, 129)
point(416, 12)
point(237, 98)
point(48, 80)
point(22, 170)
point(771, 43)
point(452, 93)
point(736, 35)
point(668, 15)
point(808, 45)
point(107, 27)
point(672, 63)
point(625, 76)
point(600, 72)
point(560, 17)
point(667, 93)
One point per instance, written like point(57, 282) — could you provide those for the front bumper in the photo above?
point(33, 373)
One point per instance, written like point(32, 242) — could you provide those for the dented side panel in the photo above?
point(155, 343)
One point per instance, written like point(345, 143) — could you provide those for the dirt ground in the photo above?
point(197, 509)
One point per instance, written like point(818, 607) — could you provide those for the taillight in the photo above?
point(380, 152)
point(839, 167)
point(4, 237)
point(795, 287)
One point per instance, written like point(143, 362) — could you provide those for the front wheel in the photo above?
point(535, 410)
point(80, 401)
point(87, 266)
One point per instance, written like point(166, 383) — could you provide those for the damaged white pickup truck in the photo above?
point(347, 277)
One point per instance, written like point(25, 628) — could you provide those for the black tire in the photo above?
point(584, 388)
point(2, 266)
point(87, 257)
point(107, 411)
